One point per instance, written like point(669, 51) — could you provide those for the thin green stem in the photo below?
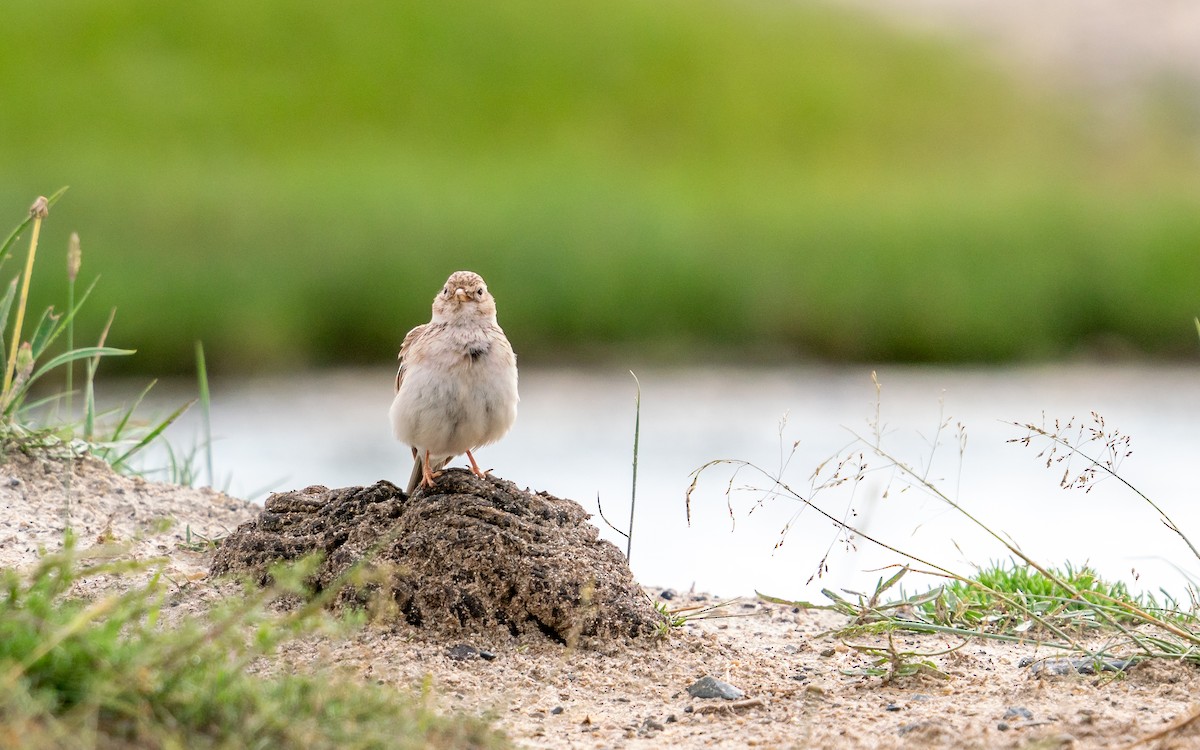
point(205, 407)
point(1167, 520)
point(16, 334)
point(637, 429)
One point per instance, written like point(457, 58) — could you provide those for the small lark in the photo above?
point(456, 390)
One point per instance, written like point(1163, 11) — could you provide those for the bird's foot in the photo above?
point(428, 475)
point(475, 468)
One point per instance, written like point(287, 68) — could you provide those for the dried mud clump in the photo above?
point(469, 554)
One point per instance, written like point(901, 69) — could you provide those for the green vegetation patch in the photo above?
point(107, 672)
point(289, 181)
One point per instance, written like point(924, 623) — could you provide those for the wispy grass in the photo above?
point(1057, 605)
point(112, 672)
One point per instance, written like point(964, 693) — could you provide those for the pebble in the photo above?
point(892, 707)
point(556, 710)
point(463, 652)
point(667, 594)
point(649, 726)
point(1018, 712)
point(710, 687)
point(1061, 667)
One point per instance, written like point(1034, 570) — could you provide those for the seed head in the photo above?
point(74, 256)
point(40, 208)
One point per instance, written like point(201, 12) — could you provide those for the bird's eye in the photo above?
point(479, 292)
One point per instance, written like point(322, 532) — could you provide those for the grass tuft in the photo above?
point(39, 424)
point(111, 672)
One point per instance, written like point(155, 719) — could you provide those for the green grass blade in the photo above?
point(205, 407)
point(116, 435)
point(65, 357)
point(65, 321)
point(43, 331)
point(154, 433)
point(5, 308)
point(83, 353)
point(637, 428)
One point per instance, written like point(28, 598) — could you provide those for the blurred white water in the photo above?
point(574, 438)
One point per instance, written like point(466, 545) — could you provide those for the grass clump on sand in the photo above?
point(1060, 607)
point(971, 604)
point(107, 672)
point(28, 358)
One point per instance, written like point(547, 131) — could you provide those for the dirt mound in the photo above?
point(468, 554)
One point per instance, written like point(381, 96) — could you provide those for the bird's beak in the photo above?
point(461, 294)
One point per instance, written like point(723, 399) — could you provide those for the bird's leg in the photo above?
point(475, 467)
point(428, 475)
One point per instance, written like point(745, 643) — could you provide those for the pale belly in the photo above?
point(448, 414)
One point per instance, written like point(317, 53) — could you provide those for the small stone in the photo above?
point(671, 719)
point(1061, 667)
point(891, 707)
point(1002, 726)
point(649, 726)
point(462, 652)
point(667, 594)
point(556, 710)
point(1018, 712)
point(828, 651)
point(710, 687)
point(486, 655)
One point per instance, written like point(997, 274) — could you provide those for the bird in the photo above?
point(456, 389)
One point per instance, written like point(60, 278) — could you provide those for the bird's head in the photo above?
point(465, 295)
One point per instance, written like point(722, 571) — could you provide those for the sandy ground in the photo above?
point(803, 686)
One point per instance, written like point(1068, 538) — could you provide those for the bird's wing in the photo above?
point(412, 336)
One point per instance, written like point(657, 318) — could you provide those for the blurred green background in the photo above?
point(290, 182)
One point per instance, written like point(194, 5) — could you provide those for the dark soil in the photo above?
point(466, 555)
